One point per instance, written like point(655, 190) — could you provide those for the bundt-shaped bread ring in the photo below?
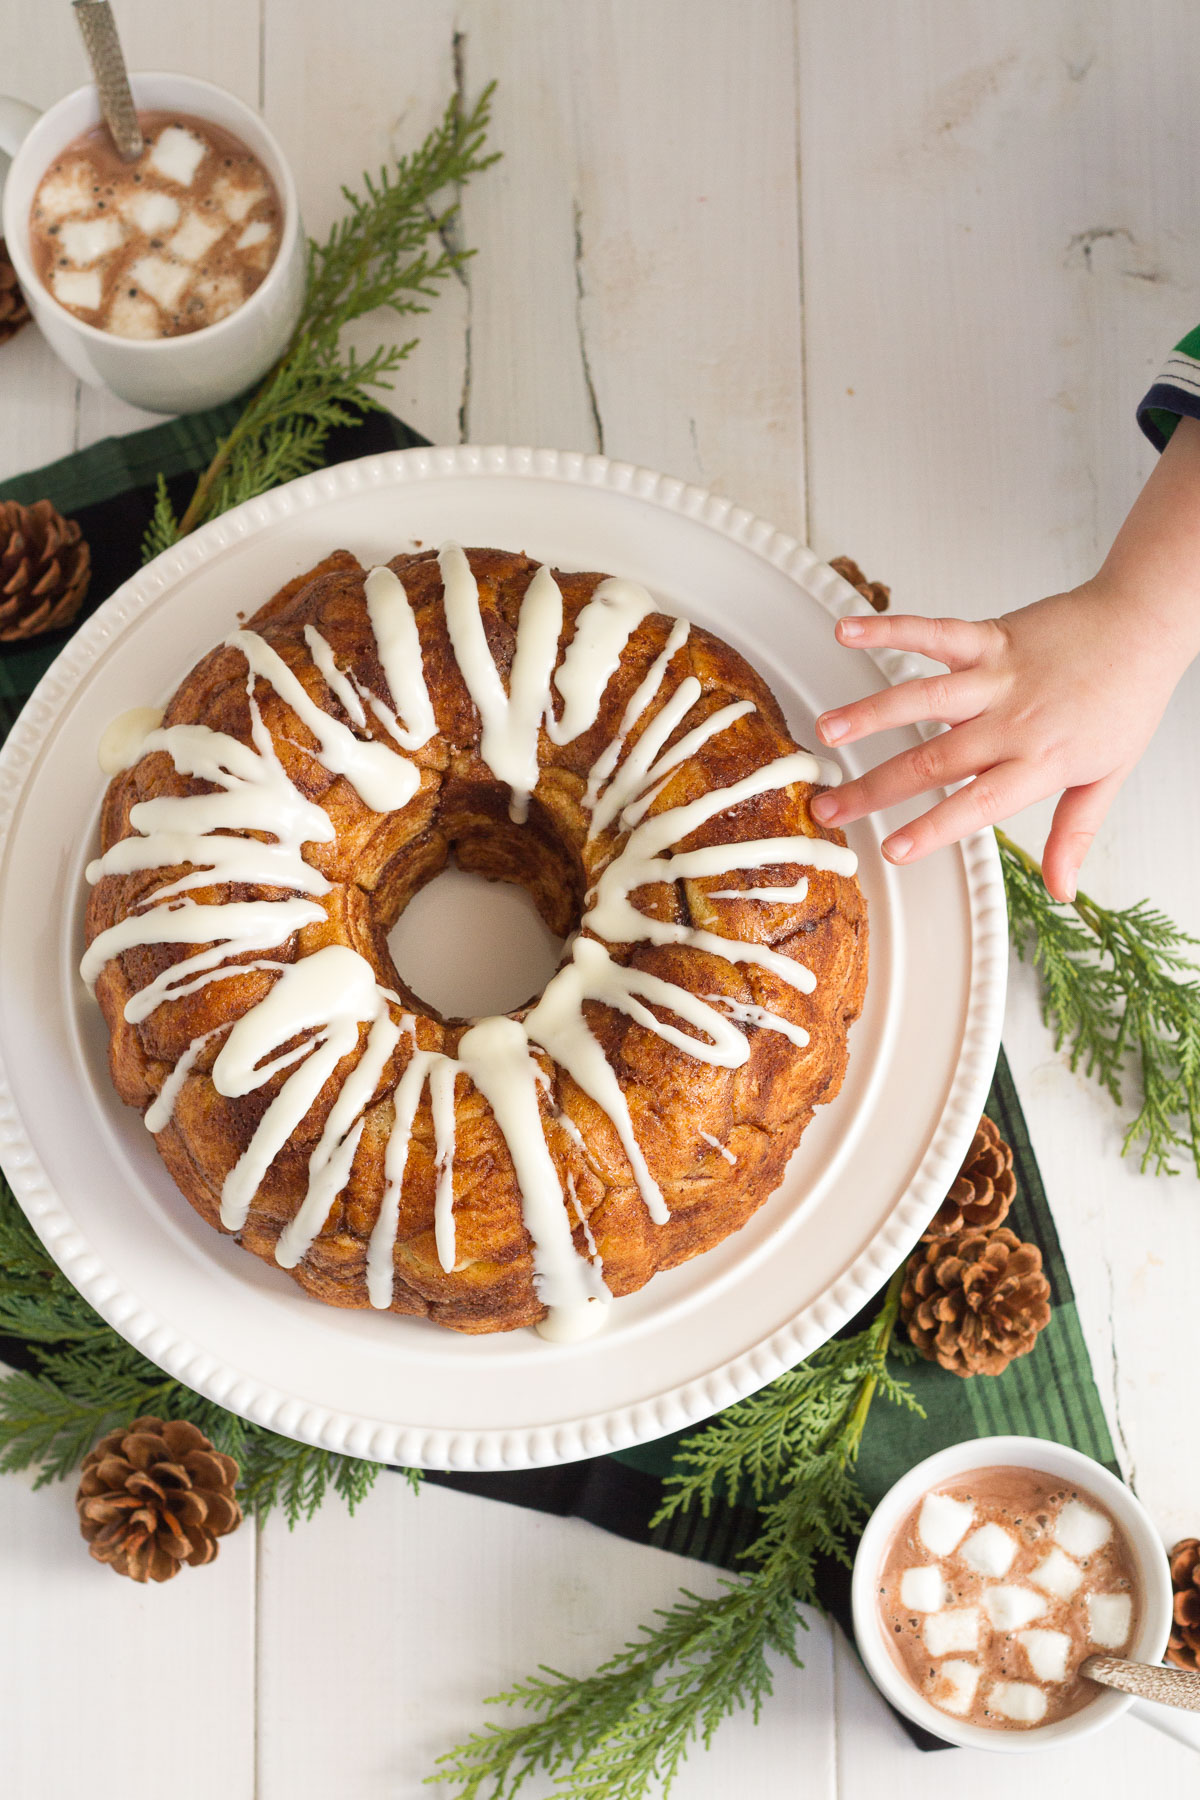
point(557, 730)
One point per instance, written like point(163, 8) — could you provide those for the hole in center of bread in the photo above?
point(468, 947)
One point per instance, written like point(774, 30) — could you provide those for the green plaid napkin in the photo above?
point(1050, 1393)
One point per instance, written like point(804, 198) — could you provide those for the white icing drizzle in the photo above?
point(228, 930)
point(510, 722)
point(613, 916)
point(158, 1113)
point(570, 1325)
point(442, 1078)
point(123, 741)
point(723, 1149)
point(571, 1128)
point(330, 1164)
point(589, 1240)
point(335, 681)
point(776, 894)
point(633, 796)
point(759, 1017)
point(325, 997)
point(422, 1066)
point(323, 1004)
point(642, 697)
point(399, 646)
point(496, 1055)
point(254, 794)
point(602, 631)
point(383, 781)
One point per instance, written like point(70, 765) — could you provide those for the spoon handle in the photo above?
point(1170, 1687)
point(103, 47)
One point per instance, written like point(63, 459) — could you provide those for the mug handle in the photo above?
point(17, 119)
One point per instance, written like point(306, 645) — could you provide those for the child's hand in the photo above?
point(1064, 694)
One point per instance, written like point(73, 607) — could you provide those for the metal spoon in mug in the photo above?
point(1149, 1681)
point(103, 46)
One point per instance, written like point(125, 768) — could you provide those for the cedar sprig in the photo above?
point(88, 1381)
point(627, 1729)
point(1121, 994)
point(392, 249)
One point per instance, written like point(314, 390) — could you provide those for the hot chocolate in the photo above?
point(995, 1589)
point(161, 246)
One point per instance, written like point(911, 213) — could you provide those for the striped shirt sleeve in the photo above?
point(1175, 392)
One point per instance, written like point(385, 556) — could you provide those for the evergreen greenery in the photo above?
point(1118, 989)
point(87, 1380)
point(391, 250)
point(627, 1729)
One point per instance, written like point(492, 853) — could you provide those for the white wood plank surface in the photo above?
point(422, 1607)
point(995, 262)
point(104, 1685)
point(993, 215)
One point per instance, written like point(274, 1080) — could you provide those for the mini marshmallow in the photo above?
point(1056, 1574)
point(77, 287)
point(164, 281)
point(1081, 1529)
point(990, 1550)
point(256, 232)
point(1109, 1619)
point(234, 201)
point(942, 1522)
point(954, 1686)
point(86, 240)
point(177, 154)
point(151, 210)
point(133, 316)
point(193, 238)
point(1018, 1700)
point(1008, 1608)
point(923, 1589)
point(67, 192)
point(954, 1630)
point(219, 295)
point(1047, 1652)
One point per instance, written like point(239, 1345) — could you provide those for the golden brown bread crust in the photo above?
point(377, 862)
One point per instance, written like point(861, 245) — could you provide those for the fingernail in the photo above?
point(897, 848)
point(832, 726)
point(850, 628)
point(825, 808)
point(1070, 886)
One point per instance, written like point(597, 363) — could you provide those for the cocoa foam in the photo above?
point(996, 1587)
point(162, 246)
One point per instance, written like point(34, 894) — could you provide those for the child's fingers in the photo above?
point(955, 642)
point(996, 794)
point(941, 760)
point(950, 699)
point(1077, 818)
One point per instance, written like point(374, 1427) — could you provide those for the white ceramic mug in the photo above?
point(1154, 1587)
point(173, 374)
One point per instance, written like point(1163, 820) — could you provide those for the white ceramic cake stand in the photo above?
point(868, 1175)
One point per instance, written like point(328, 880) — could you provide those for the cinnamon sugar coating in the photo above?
point(377, 862)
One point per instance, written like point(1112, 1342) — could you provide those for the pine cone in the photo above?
point(974, 1301)
point(1183, 1646)
point(982, 1191)
point(154, 1496)
point(45, 567)
point(873, 592)
point(13, 311)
